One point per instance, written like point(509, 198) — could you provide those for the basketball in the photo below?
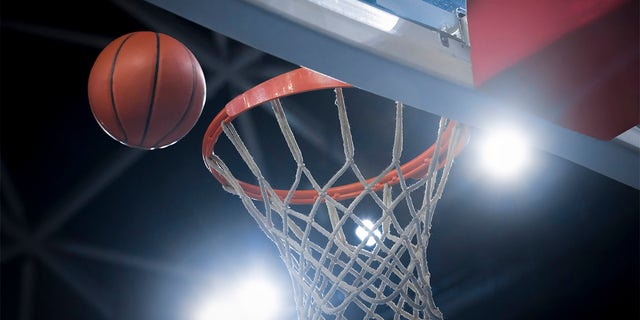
point(146, 90)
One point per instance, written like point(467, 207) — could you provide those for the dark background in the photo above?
point(94, 230)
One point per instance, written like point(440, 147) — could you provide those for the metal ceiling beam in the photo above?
point(11, 197)
point(93, 183)
point(27, 288)
point(83, 286)
point(69, 36)
point(12, 229)
point(9, 252)
point(127, 260)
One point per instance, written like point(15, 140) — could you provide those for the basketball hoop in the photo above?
point(335, 277)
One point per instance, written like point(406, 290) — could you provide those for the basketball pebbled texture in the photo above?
point(146, 90)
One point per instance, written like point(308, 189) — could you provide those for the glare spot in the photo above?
point(361, 12)
point(255, 297)
point(365, 233)
point(505, 153)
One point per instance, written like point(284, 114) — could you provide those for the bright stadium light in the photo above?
point(252, 297)
point(505, 153)
point(365, 233)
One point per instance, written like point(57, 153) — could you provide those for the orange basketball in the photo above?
point(146, 90)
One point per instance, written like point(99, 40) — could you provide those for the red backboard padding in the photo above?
point(573, 62)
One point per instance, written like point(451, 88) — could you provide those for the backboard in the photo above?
point(420, 52)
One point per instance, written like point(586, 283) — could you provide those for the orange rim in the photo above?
point(299, 81)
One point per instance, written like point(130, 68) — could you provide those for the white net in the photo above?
point(383, 274)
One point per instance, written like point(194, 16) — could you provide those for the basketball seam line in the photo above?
point(113, 99)
point(189, 104)
point(153, 91)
